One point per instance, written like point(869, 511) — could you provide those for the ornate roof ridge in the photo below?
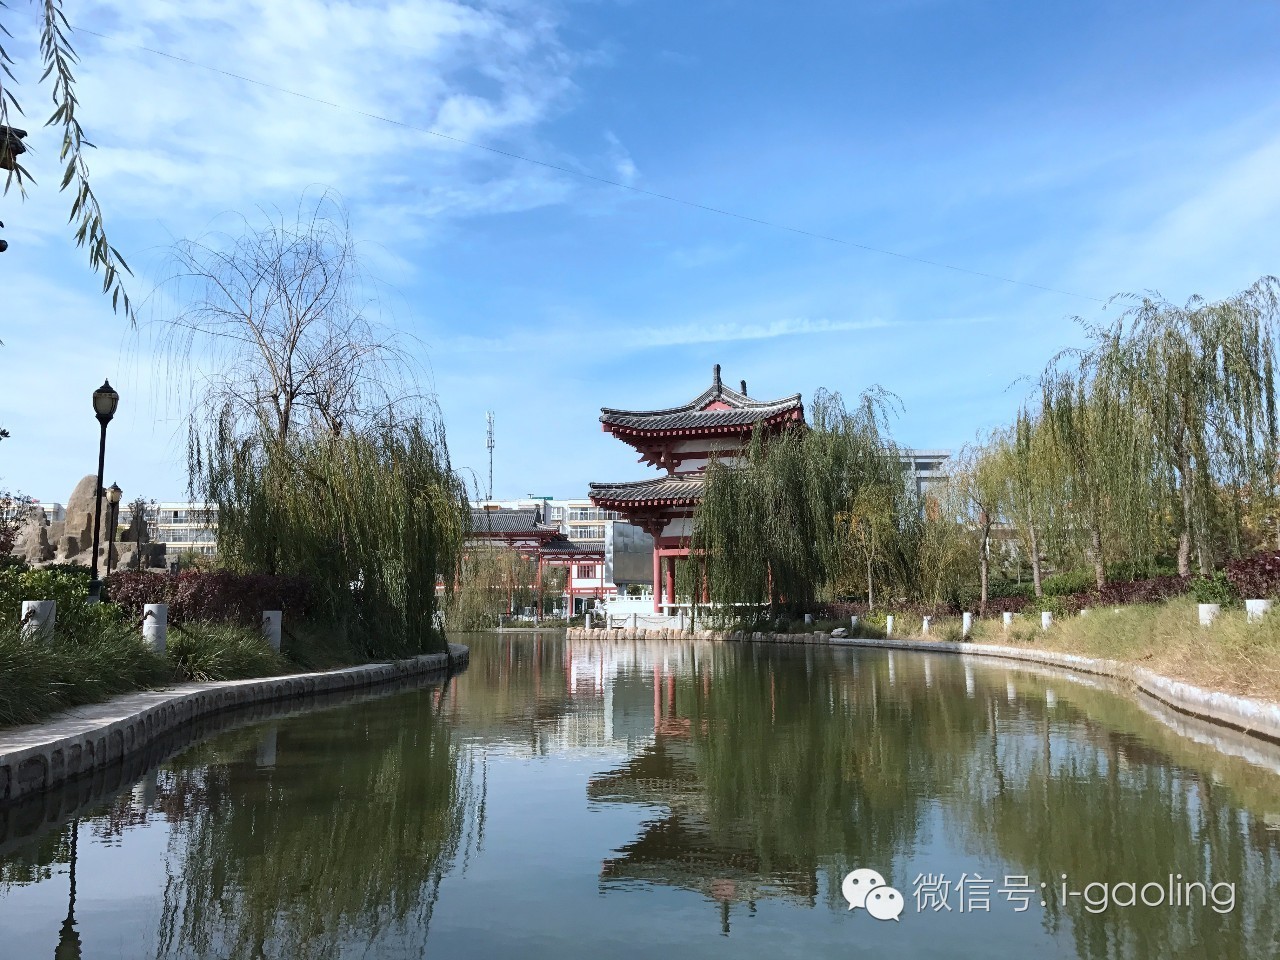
point(686, 478)
point(717, 391)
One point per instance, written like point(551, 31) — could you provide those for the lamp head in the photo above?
point(105, 401)
point(114, 493)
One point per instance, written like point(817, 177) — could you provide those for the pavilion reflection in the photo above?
point(770, 773)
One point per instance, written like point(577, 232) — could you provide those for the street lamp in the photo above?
point(105, 401)
point(114, 493)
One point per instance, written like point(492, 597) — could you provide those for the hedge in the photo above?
point(211, 596)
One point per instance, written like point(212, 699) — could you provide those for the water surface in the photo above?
point(567, 799)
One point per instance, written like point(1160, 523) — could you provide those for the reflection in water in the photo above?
point(68, 938)
point(770, 773)
point(622, 780)
point(293, 849)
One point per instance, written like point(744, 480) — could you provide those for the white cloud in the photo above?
point(178, 142)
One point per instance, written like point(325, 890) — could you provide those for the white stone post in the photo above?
point(966, 624)
point(924, 626)
point(38, 617)
point(1255, 610)
point(1208, 613)
point(1046, 619)
point(853, 625)
point(1007, 617)
point(271, 622)
point(635, 621)
point(808, 619)
point(155, 625)
point(888, 625)
point(680, 620)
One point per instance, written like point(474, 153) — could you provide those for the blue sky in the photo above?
point(1090, 147)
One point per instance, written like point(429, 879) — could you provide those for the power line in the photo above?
point(590, 176)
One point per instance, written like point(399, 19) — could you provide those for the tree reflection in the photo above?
point(776, 771)
point(346, 855)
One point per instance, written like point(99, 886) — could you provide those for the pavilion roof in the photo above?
point(658, 491)
point(506, 522)
point(733, 408)
point(575, 547)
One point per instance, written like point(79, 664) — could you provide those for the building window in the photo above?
point(586, 571)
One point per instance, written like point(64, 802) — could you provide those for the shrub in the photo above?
point(1256, 577)
point(1217, 588)
point(87, 660)
point(217, 596)
point(1068, 582)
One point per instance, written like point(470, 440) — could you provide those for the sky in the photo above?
point(1043, 156)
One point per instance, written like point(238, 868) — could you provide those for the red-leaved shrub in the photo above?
point(213, 596)
point(1256, 577)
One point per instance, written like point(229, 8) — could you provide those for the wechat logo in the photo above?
point(867, 889)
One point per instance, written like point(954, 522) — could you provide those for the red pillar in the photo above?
point(657, 580)
point(538, 604)
point(671, 579)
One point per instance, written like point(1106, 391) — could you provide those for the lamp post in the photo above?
point(105, 401)
point(114, 493)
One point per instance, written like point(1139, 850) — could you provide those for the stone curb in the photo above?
point(44, 755)
point(1258, 718)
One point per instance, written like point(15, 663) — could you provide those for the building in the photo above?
point(605, 556)
point(682, 441)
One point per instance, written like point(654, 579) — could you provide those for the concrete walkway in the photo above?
point(43, 755)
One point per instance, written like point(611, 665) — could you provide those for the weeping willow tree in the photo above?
point(493, 582)
point(309, 439)
point(1202, 376)
point(1027, 466)
point(368, 517)
point(1110, 466)
point(805, 514)
point(58, 59)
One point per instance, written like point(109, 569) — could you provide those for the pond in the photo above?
point(565, 799)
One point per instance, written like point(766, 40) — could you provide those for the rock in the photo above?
point(68, 547)
point(80, 508)
point(839, 632)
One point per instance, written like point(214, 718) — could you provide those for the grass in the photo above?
point(93, 656)
point(39, 677)
point(1232, 655)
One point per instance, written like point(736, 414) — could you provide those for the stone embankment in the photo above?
point(37, 757)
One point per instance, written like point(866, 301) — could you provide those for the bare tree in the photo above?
point(280, 321)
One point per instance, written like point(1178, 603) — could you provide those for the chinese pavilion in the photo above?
point(682, 441)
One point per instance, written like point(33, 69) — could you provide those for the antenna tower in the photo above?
point(489, 443)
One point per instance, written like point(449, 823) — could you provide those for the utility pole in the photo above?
point(489, 443)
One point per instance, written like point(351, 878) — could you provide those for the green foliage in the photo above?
point(57, 57)
point(219, 651)
point(1216, 588)
point(1068, 582)
point(368, 518)
point(494, 582)
point(808, 515)
point(91, 656)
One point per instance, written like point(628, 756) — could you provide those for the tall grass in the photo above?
point(74, 667)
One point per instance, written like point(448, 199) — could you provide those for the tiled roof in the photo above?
point(565, 545)
point(507, 521)
point(677, 489)
point(743, 411)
